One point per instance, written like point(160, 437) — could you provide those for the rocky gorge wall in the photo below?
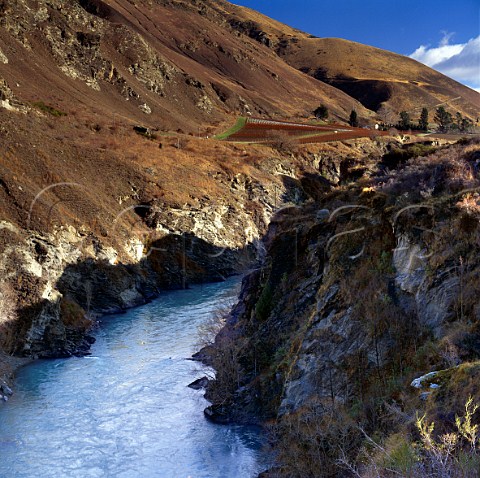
point(362, 290)
point(61, 279)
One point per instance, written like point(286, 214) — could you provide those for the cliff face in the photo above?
point(363, 290)
point(62, 274)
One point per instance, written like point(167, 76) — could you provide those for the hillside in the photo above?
point(379, 78)
point(113, 190)
point(165, 64)
point(193, 65)
point(375, 77)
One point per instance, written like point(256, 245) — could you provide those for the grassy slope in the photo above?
point(187, 76)
point(409, 83)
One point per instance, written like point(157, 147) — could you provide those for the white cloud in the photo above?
point(433, 56)
point(460, 61)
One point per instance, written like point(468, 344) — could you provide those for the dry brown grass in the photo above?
point(311, 441)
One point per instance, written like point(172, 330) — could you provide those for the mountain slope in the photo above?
point(373, 76)
point(168, 64)
point(377, 77)
point(175, 64)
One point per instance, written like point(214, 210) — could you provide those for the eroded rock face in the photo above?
point(409, 263)
point(344, 296)
point(68, 280)
point(434, 296)
point(7, 98)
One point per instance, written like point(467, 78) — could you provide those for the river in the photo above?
point(125, 410)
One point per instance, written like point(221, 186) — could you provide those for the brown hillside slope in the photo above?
point(377, 77)
point(170, 64)
point(373, 76)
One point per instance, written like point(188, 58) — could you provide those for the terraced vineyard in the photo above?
point(257, 130)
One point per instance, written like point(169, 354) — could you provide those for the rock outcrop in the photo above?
point(361, 291)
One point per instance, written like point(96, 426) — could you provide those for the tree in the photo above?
point(353, 121)
point(466, 124)
point(423, 121)
point(463, 124)
point(404, 122)
point(321, 112)
point(459, 120)
point(443, 118)
point(387, 115)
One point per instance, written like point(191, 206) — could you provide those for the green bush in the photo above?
point(48, 109)
point(264, 303)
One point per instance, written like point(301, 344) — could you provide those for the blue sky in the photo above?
point(442, 34)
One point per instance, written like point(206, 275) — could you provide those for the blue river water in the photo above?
point(126, 411)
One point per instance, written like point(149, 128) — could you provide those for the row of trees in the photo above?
point(446, 122)
point(405, 123)
point(444, 119)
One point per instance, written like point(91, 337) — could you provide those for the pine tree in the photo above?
point(466, 125)
point(459, 120)
point(423, 121)
point(443, 118)
point(404, 122)
point(353, 121)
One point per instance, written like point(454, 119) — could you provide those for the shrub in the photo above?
point(73, 316)
point(321, 112)
point(353, 120)
point(312, 441)
point(282, 142)
point(48, 109)
point(400, 455)
point(454, 454)
point(209, 330)
point(224, 357)
point(264, 304)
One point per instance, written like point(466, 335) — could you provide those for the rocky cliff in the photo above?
point(363, 289)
